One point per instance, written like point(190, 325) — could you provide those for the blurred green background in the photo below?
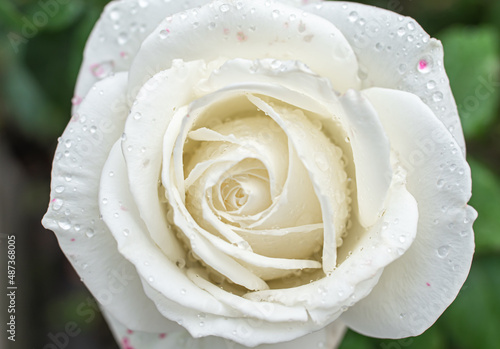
point(37, 76)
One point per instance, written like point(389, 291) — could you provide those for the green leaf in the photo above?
point(485, 194)
point(34, 114)
point(473, 320)
point(64, 15)
point(472, 61)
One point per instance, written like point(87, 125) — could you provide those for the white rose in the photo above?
point(253, 171)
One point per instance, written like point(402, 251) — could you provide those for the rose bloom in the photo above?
point(244, 173)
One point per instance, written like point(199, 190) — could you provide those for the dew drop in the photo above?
point(243, 245)
point(68, 178)
point(57, 204)
point(431, 84)
point(211, 26)
point(401, 31)
point(276, 14)
point(151, 279)
point(440, 183)
point(111, 173)
point(181, 263)
point(93, 129)
point(64, 224)
point(437, 96)
point(90, 232)
point(100, 71)
point(424, 65)
point(353, 16)
point(114, 15)
point(183, 291)
point(410, 26)
point(59, 189)
point(104, 201)
point(443, 251)
point(164, 33)
point(137, 116)
point(122, 38)
point(224, 8)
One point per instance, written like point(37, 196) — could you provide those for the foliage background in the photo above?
point(37, 76)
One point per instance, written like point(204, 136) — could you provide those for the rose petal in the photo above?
point(250, 31)
point(156, 104)
point(329, 186)
point(329, 337)
point(118, 35)
point(395, 52)
point(444, 244)
point(135, 244)
point(371, 155)
point(355, 276)
point(73, 213)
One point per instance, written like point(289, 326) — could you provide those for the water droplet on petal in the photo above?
point(181, 263)
point(224, 8)
point(90, 232)
point(164, 33)
point(353, 16)
point(57, 204)
point(122, 38)
point(443, 251)
point(64, 223)
point(437, 97)
point(114, 15)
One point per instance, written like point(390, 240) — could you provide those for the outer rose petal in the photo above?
point(414, 290)
point(251, 30)
point(328, 338)
point(117, 36)
point(393, 51)
point(73, 213)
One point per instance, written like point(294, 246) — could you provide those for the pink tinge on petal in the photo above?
point(72, 240)
point(422, 64)
point(101, 70)
point(162, 335)
point(428, 284)
point(241, 37)
point(76, 100)
point(126, 343)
